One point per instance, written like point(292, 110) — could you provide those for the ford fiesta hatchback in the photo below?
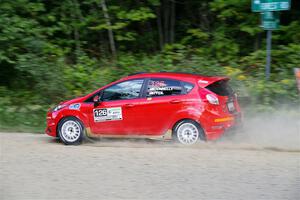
point(180, 106)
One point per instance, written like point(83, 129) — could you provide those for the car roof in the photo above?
point(202, 80)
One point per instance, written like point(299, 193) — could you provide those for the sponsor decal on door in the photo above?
point(107, 114)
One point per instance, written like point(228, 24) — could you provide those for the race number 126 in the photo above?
point(100, 112)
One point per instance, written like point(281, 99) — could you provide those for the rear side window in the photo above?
point(187, 87)
point(163, 87)
point(221, 88)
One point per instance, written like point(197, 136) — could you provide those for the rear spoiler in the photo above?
point(206, 81)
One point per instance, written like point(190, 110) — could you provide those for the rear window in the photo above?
point(221, 88)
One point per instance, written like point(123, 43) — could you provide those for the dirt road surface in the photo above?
point(35, 166)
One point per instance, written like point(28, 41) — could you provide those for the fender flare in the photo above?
point(190, 113)
point(72, 113)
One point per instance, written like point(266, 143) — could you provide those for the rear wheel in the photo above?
point(187, 132)
point(70, 131)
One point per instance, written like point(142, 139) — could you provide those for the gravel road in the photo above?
point(35, 166)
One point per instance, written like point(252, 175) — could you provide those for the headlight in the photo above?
point(57, 108)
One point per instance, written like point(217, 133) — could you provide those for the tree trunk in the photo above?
point(110, 32)
point(76, 16)
point(160, 28)
point(173, 17)
point(80, 18)
point(166, 21)
point(257, 41)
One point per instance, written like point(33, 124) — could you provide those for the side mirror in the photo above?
point(97, 100)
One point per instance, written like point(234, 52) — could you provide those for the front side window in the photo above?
point(124, 90)
point(163, 87)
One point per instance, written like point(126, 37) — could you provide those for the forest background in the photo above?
point(54, 50)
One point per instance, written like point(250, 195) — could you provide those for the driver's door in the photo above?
point(116, 111)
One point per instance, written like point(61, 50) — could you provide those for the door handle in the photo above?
point(129, 105)
point(175, 101)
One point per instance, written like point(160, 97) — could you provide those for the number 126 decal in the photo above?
point(107, 114)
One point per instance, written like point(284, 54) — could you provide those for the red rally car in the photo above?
point(181, 106)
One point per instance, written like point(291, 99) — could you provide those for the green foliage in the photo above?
point(224, 48)
point(16, 112)
point(56, 50)
point(141, 14)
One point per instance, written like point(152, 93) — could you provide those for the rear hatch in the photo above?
point(220, 87)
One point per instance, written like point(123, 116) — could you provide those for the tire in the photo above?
point(187, 132)
point(70, 131)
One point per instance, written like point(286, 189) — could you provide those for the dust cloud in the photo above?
point(279, 130)
point(274, 131)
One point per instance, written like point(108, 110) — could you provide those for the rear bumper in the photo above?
point(219, 125)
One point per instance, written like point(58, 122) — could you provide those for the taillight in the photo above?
point(212, 99)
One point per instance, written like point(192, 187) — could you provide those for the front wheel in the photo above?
point(187, 132)
point(70, 131)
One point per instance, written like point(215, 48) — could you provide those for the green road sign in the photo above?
point(270, 20)
point(270, 5)
point(270, 25)
point(266, 16)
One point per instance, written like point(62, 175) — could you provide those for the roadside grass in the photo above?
point(22, 129)
point(25, 119)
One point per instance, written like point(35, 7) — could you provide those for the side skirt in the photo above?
point(166, 136)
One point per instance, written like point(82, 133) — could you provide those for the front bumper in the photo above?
point(51, 126)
